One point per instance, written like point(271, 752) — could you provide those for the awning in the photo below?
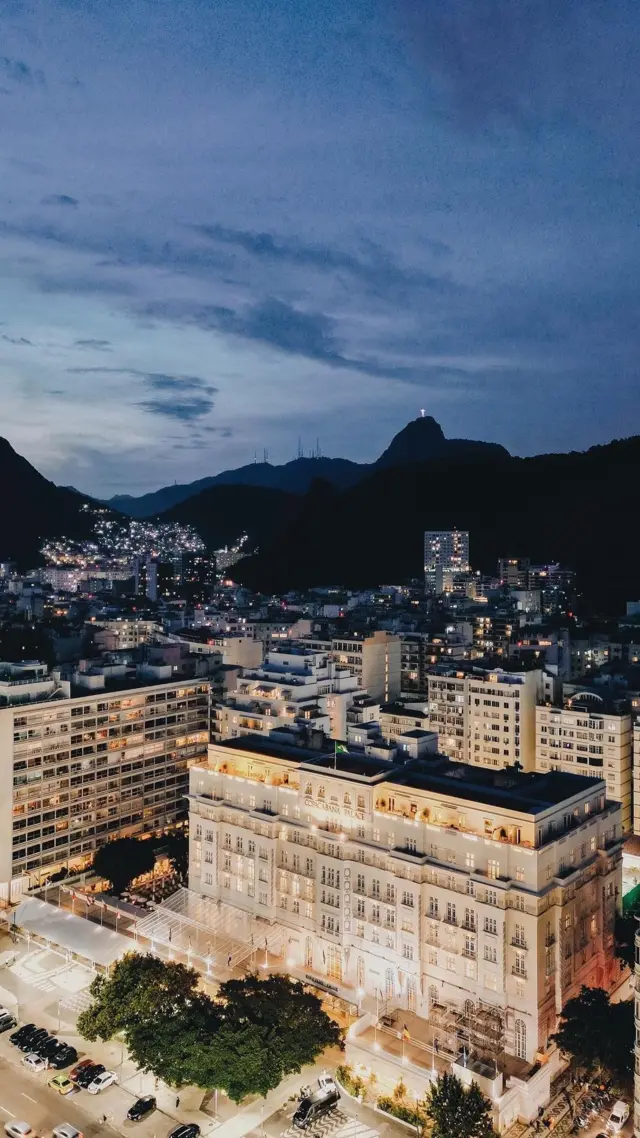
point(70, 933)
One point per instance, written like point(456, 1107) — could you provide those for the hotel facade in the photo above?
point(456, 893)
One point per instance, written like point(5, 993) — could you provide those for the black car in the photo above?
point(46, 1047)
point(88, 1075)
point(141, 1108)
point(22, 1033)
point(63, 1057)
point(7, 1022)
point(186, 1130)
point(32, 1041)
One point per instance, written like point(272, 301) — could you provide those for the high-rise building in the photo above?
point(376, 660)
point(481, 900)
point(588, 736)
point(81, 766)
point(485, 716)
point(446, 554)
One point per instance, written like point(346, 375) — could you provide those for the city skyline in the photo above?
point(225, 229)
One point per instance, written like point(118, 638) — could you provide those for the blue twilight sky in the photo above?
point(225, 224)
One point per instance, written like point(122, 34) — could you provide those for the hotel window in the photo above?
point(493, 868)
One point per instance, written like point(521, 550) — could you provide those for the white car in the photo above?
point(16, 1129)
point(106, 1079)
point(618, 1117)
point(35, 1062)
point(66, 1130)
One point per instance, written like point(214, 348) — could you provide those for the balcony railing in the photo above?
point(518, 942)
point(518, 972)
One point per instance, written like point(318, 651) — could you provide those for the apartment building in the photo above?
point(587, 736)
point(456, 893)
point(397, 718)
point(636, 1081)
point(420, 651)
point(485, 717)
point(446, 555)
point(376, 660)
point(636, 774)
point(292, 685)
point(117, 635)
point(81, 766)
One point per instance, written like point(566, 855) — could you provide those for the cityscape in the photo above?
point(319, 574)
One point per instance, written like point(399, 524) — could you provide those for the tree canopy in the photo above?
point(626, 928)
point(122, 860)
point(598, 1033)
point(458, 1110)
point(245, 1041)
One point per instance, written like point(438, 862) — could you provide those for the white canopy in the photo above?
point(70, 933)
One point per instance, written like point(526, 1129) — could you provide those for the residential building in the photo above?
point(480, 899)
point(84, 764)
point(636, 1096)
point(398, 718)
point(446, 554)
point(376, 660)
point(588, 736)
point(293, 685)
point(420, 651)
point(485, 717)
point(118, 634)
point(636, 776)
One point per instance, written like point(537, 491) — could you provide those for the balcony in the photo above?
point(550, 940)
point(519, 942)
point(522, 975)
point(449, 919)
point(469, 926)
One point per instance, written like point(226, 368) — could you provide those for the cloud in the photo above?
point(17, 71)
point(527, 63)
point(60, 199)
point(378, 268)
point(19, 341)
point(185, 398)
point(99, 345)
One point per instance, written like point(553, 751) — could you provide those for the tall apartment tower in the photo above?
point(446, 553)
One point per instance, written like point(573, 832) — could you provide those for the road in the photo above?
point(27, 1097)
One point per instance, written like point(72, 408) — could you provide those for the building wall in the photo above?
point(487, 719)
point(586, 742)
point(76, 772)
point(391, 893)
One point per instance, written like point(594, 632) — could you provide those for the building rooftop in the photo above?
point(529, 793)
point(401, 709)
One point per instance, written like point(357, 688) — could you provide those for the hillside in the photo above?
point(420, 440)
point(222, 513)
point(32, 508)
point(576, 508)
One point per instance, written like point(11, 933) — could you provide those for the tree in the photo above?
point(292, 1019)
point(596, 1033)
point(458, 1110)
point(176, 846)
point(243, 1042)
point(626, 928)
point(122, 860)
point(141, 989)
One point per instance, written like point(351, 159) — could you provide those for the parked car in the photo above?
point(66, 1130)
point(8, 957)
point(63, 1057)
point(35, 1062)
point(618, 1117)
point(101, 1082)
point(22, 1033)
point(62, 1084)
point(141, 1108)
point(89, 1074)
point(16, 1129)
point(186, 1130)
point(323, 1100)
point(7, 1022)
point(32, 1040)
point(81, 1067)
point(46, 1047)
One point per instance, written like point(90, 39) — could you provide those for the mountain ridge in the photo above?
point(421, 439)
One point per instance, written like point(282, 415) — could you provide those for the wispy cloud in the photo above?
point(61, 199)
point(186, 398)
point(19, 72)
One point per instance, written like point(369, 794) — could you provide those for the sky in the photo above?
point(229, 225)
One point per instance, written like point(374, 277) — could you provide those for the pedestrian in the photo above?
point(177, 1101)
point(229, 961)
point(103, 1119)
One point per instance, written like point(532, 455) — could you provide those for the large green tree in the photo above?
point(457, 1111)
point(597, 1033)
point(122, 860)
point(626, 928)
point(245, 1041)
point(141, 989)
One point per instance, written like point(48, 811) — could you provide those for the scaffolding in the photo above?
point(486, 1031)
point(209, 932)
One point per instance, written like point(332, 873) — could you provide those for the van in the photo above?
point(618, 1117)
point(320, 1102)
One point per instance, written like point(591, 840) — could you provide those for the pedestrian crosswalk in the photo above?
point(334, 1125)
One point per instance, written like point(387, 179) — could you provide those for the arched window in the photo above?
point(308, 953)
point(469, 1009)
point(521, 1039)
point(433, 995)
point(308, 790)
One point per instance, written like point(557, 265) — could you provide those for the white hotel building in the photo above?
point(434, 887)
